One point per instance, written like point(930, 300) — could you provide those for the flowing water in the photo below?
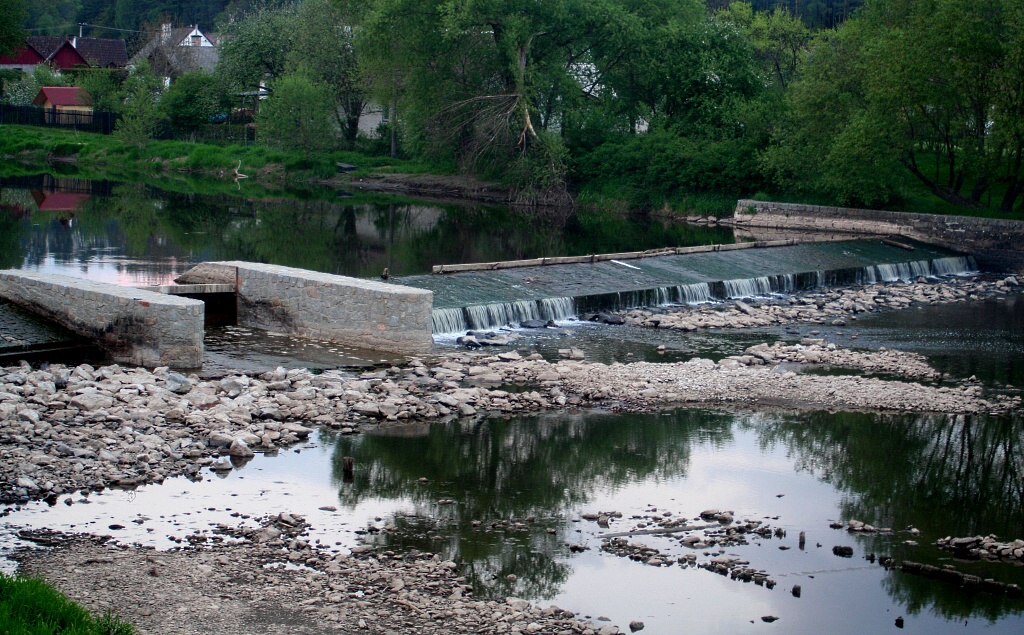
point(527, 481)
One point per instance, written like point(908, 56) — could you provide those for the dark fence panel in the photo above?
point(98, 121)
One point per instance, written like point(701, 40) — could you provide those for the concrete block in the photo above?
point(134, 326)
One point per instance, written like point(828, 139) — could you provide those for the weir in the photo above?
point(492, 298)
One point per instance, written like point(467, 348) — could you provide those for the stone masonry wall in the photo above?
point(133, 325)
point(352, 311)
point(997, 244)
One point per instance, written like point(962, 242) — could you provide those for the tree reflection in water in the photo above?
point(953, 475)
point(944, 474)
point(509, 470)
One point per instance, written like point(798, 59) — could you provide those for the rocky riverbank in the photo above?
point(84, 428)
point(66, 429)
point(269, 579)
point(837, 307)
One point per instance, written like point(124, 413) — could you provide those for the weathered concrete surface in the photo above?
point(133, 325)
point(352, 311)
point(996, 244)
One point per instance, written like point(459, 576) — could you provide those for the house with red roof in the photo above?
point(23, 59)
point(63, 52)
point(59, 201)
point(65, 104)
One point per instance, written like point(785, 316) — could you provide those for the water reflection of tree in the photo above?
point(512, 469)
point(12, 231)
point(953, 473)
point(356, 236)
point(945, 474)
point(919, 594)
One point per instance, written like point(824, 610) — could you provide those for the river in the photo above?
point(521, 485)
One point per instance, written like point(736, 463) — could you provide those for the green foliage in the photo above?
point(323, 49)
point(31, 607)
point(297, 116)
point(191, 101)
point(139, 113)
point(13, 15)
point(256, 47)
point(104, 87)
point(925, 90)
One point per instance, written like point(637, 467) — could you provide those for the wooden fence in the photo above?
point(97, 121)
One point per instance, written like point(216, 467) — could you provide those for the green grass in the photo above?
point(31, 607)
point(38, 145)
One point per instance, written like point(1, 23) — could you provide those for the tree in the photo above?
point(104, 86)
point(323, 49)
point(493, 85)
point(139, 114)
point(297, 116)
point(932, 89)
point(256, 47)
point(191, 101)
point(13, 15)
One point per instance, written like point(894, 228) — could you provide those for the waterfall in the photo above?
point(953, 265)
point(498, 314)
point(448, 321)
point(748, 287)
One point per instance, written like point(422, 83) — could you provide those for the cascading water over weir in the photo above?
point(491, 298)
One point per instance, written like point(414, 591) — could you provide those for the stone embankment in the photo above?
point(271, 579)
point(836, 307)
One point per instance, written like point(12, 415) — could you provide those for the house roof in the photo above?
point(24, 55)
point(103, 52)
point(47, 45)
point(174, 61)
point(62, 96)
point(59, 201)
point(57, 51)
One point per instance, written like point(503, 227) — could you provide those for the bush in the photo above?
point(297, 116)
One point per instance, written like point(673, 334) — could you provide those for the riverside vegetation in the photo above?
point(659, 104)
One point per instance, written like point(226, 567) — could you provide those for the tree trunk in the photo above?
point(947, 194)
point(393, 116)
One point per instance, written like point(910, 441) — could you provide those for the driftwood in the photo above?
point(629, 255)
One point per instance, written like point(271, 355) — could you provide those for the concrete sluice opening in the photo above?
point(491, 299)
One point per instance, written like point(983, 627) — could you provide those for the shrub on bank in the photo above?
point(31, 607)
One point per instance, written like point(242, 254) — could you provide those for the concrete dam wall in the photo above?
point(996, 244)
point(134, 326)
point(363, 313)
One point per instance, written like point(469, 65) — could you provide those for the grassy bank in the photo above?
point(31, 607)
point(37, 146)
point(210, 169)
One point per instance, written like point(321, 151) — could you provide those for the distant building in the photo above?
point(102, 52)
point(69, 105)
point(23, 59)
point(172, 52)
point(61, 53)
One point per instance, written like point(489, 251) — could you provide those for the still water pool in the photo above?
point(943, 475)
